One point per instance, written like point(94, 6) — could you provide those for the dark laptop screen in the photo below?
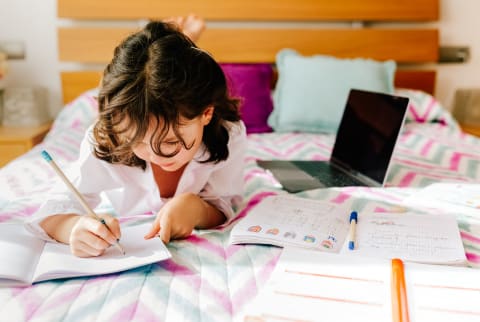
point(368, 132)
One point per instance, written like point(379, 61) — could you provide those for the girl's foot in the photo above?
point(192, 25)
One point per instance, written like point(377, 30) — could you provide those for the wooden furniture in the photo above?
point(15, 141)
point(474, 130)
point(251, 31)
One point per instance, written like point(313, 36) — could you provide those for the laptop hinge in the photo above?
point(354, 174)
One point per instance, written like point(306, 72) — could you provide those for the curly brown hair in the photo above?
point(159, 72)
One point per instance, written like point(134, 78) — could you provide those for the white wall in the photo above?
point(34, 23)
point(459, 25)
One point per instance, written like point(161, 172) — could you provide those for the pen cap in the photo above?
point(353, 216)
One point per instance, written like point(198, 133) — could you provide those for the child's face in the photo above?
point(190, 130)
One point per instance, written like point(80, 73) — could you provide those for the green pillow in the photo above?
point(311, 92)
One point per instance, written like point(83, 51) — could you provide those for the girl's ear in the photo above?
point(207, 115)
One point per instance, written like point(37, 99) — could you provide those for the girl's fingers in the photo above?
point(161, 228)
point(93, 232)
point(113, 225)
point(101, 230)
point(83, 249)
point(153, 232)
point(165, 233)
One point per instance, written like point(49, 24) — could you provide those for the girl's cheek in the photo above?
point(140, 154)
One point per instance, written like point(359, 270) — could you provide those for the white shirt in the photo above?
point(133, 191)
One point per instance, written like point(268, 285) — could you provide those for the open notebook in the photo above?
point(25, 259)
point(286, 220)
point(315, 286)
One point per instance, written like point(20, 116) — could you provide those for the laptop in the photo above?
point(363, 148)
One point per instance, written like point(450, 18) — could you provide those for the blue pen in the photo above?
point(351, 232)
point(77, 194)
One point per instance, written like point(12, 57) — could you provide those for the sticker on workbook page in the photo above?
point(329, 243)
point(309, 239)
point(254, 229)
point(273, 231)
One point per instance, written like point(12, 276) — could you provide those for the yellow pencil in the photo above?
point(77, 194)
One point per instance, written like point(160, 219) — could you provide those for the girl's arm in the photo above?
point(213, 205)
point(59, 227)
point(211, 218)
point(57, 218)
point(179, 216)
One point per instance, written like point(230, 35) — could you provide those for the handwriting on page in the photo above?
point(404, 238)
point(408, 236)
point(305, 217)
point(309, 215)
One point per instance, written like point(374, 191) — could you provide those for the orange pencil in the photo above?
point(399, 292)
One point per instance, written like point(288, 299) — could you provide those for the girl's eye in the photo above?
point(170, 147)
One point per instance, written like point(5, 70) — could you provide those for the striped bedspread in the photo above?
point(207, 279)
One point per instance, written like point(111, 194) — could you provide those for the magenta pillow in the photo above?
point(251, 83)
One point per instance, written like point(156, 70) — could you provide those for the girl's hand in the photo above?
point(90, 237)
point(179, 216)
point(86, 235)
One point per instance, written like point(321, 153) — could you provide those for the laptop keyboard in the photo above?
point(327, 174)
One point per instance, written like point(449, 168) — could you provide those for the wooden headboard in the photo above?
point(251, 31)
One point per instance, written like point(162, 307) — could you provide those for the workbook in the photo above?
point(316, 286)
point(26, 259)
point(286, 220)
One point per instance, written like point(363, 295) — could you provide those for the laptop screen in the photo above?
point(368, 132)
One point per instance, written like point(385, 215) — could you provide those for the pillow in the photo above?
point(252, 84)
point(424, 108)
point(311, 92)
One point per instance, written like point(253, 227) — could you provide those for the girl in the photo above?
point(168, 139)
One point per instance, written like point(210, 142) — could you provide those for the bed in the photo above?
point(207, 279)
